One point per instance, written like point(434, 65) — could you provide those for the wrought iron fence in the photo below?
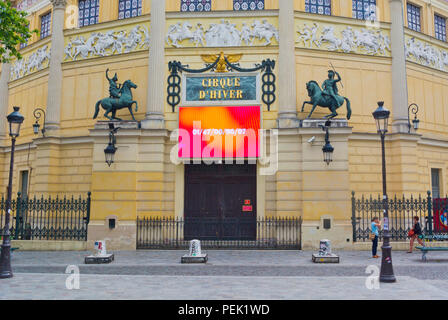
point(231, 233)
point(52, 218)
point(402, 210)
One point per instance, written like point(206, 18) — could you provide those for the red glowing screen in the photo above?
point(219, 132)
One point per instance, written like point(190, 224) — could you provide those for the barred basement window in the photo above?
point(318, 6)
point(129, 9)
point(195, 5)
point(364, 9)
point(45, 25)
point(89, 11)
point(245, 5)
point(440, 27)
point(414, 21)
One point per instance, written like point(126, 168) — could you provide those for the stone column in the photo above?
point(4, 101)
point(55, 71)
point(287, 86)
point(156, 69)
point(399, 79)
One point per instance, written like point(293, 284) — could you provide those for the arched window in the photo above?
point(89, 11)
point(244, 5)
point(195, 5)
point(318, 6)
point(129, 8)
point(364, 9)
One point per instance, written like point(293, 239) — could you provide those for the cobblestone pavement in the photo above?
point(104, 287)
point(232, 263)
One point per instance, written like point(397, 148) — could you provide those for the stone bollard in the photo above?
point(101, 256)
point(325, 255)
point(195, 254)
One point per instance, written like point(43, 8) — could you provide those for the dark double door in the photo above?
point(220, 202)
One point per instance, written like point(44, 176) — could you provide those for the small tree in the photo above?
point(14, 30)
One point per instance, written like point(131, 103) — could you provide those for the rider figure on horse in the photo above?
point(114, 88)
point(330, 87)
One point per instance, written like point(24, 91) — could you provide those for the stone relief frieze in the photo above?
point(38, 60)
point(101, 44)
point(223, 34)
point(349, 40)
point(426, 54)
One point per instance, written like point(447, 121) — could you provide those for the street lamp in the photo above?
point(15, 120)
point(38, 113)
point(415, 122)
point(381, 116)
point(110, 150)
point(327, 148)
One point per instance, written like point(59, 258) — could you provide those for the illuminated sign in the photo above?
point(219, 132)
point(213, 88)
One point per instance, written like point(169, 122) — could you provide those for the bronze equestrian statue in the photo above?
point(120, 98)
point(328, 97)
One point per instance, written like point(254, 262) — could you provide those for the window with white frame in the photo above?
point(364, 9)
point(245, 5)
point(45, 25)
point(318, 6)
point(129, 8)
point(89, 11)
point(440, 27)
point(414, 17)
point(195, 5)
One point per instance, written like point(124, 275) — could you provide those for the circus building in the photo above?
point(241, 123)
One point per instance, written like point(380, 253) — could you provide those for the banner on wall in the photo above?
point(219, 132)
point(440, 215)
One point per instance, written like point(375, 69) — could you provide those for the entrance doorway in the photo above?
point(220, 202)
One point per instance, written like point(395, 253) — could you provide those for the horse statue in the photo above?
point(125, 100)
point(321, 99)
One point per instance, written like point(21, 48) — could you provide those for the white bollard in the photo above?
point(195, 254)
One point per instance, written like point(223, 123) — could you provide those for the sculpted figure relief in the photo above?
point(111, 42)
point(368, 41)
point(426, 54)
point(223, 34)
point(38, 60)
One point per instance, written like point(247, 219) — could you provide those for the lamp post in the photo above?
point(327, 148)
point(15, 120)
point(110, 150)
point(381, 116)
point(415, 122)
point(38, 113)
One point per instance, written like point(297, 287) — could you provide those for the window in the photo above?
point(23, 183)
point(45, 25)
point(129, 9)
point(414, 21)
point(195, 5)
point(248, 5)
point(364, 9)
point(440, 27)
point(318, 6)
point(435, 182)
point(89, 11)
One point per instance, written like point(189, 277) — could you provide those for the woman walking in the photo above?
point(415, 233)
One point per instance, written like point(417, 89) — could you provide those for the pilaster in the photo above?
point(54, 96)
point(156, 68)
point(4, 100)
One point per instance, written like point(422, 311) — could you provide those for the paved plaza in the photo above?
point(228, 275)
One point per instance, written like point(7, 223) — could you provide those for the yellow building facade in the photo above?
point(386, 59)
